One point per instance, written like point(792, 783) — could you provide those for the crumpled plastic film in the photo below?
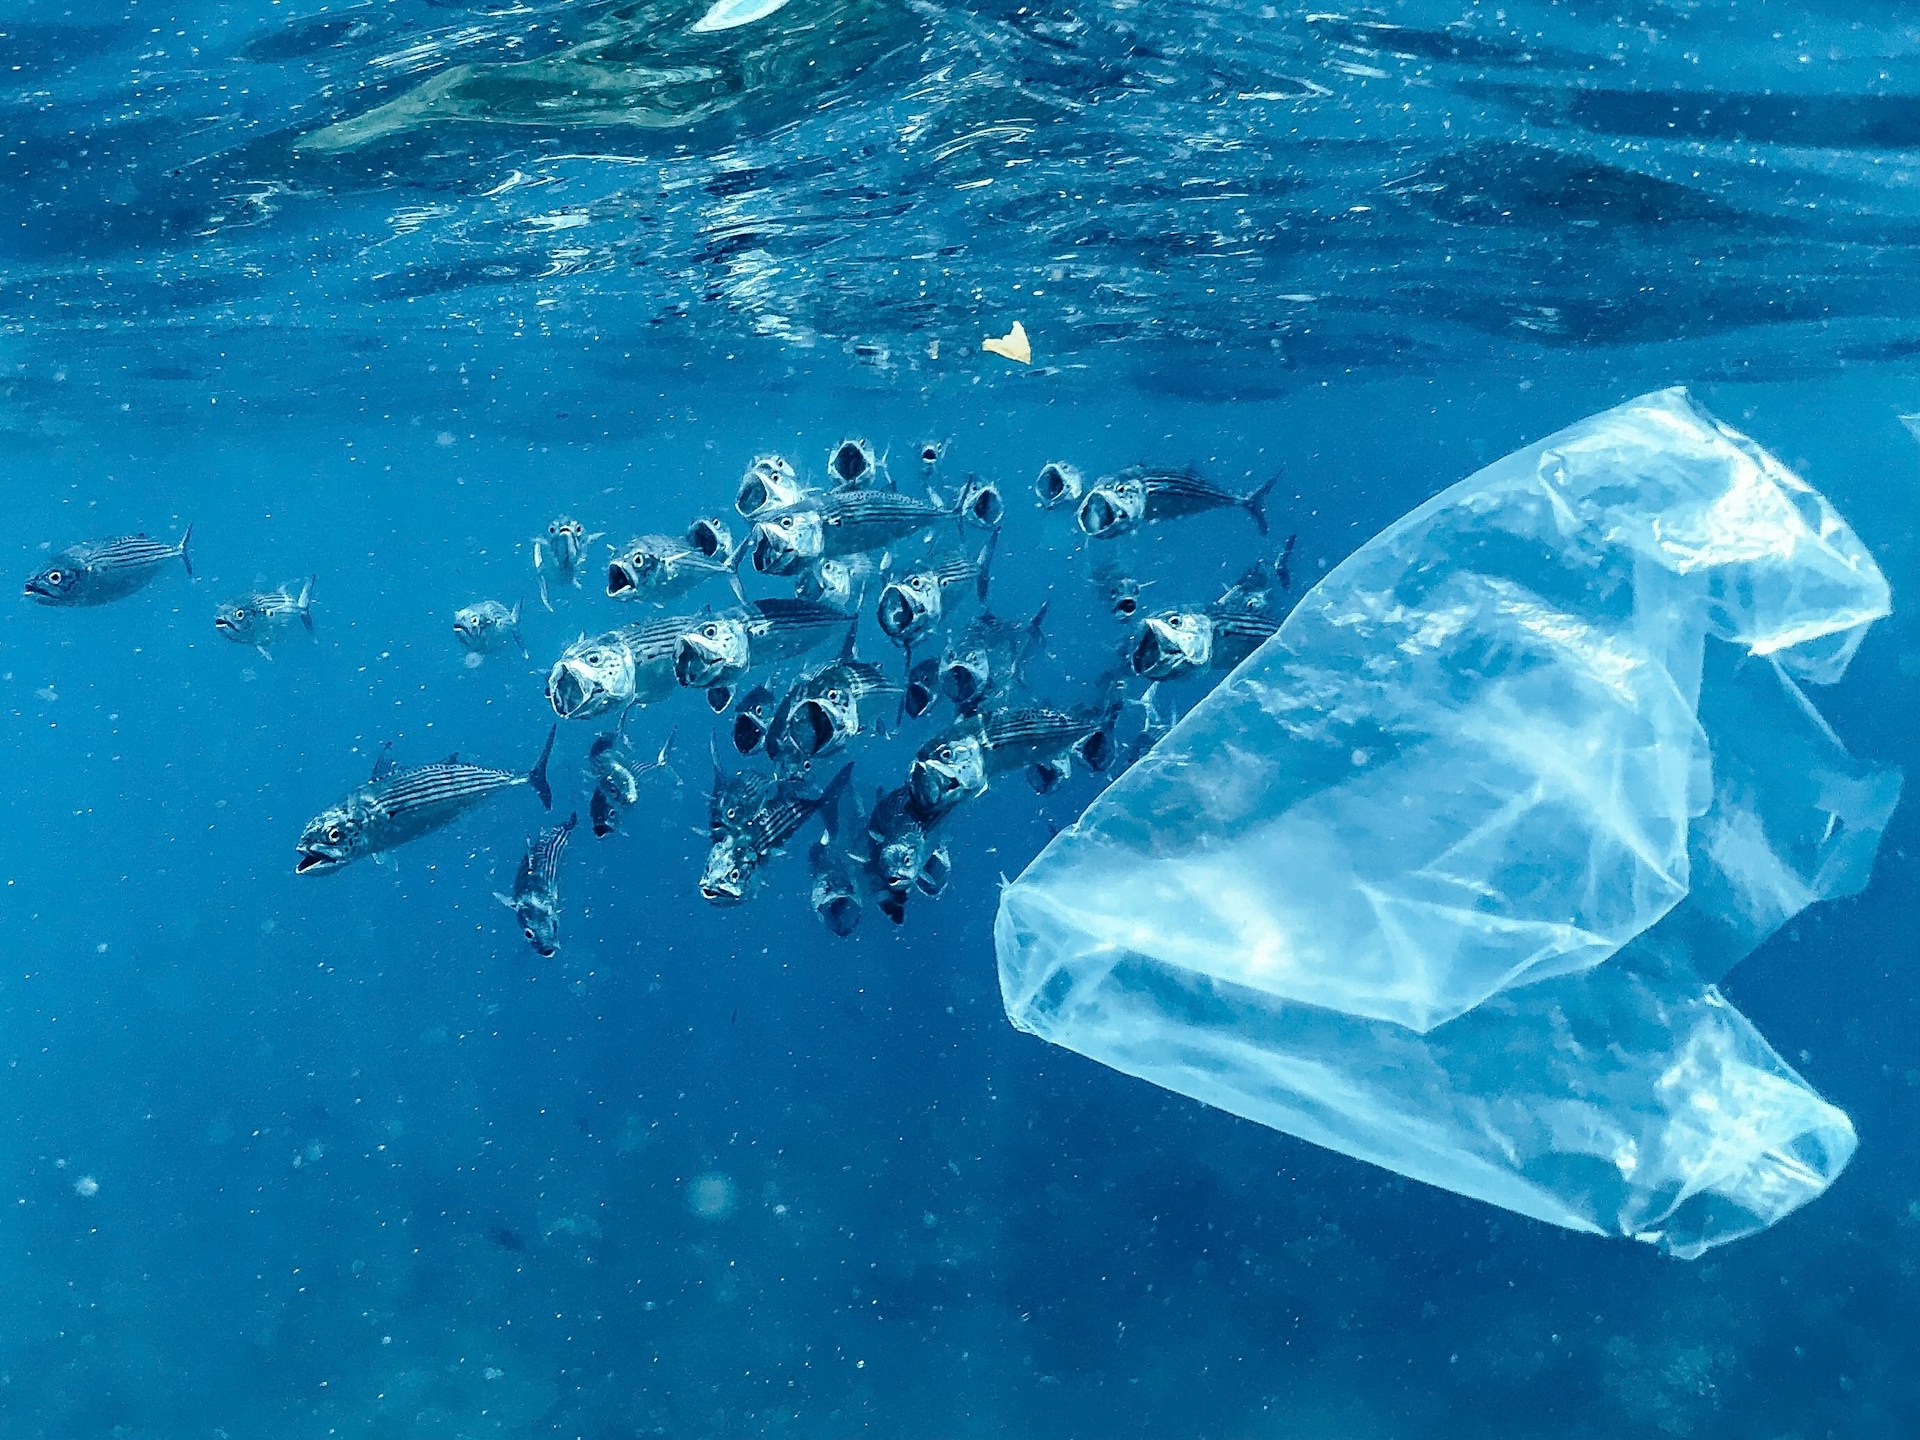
point(1443, 875)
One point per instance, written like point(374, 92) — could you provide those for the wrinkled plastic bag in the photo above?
point(1443, 875)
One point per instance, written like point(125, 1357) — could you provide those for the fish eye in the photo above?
point(528, 932)
point(786, 522)
point(595, 657)
point(333, 834)
point(54, 577)
point(834, 696)
point(734, 875)
point(709, 631)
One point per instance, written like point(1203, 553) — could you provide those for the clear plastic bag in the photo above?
point(1442, 876)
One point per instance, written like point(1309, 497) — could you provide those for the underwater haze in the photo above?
point(372, 293)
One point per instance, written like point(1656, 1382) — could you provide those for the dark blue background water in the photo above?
point(357, 1150)
point(362, 1166)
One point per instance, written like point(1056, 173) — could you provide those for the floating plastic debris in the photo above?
point(1013, 344)
point(732, 14)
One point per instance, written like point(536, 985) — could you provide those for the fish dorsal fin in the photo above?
point(453, 759)
point(382, 764)
point(853, 635)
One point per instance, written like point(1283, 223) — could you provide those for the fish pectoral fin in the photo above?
point(385, 858)
point(506, 900)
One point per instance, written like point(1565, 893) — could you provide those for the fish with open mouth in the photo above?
point(922, 689)
point(632, 665)
point(751, 820)
point(488, 627)
point(752, 713)
point(905, 852)
point(840, 884)
point(824, 711)
point(853, 465)
point(713, 538)
point(840, 582)
point(396, 806)
point(259, 616)
point(716, 650)
point(660, 567)
point(987, 660)
point(1142, 494)
point(931, 453)
point(981, 503)
point(617, 775)
point(769, 484)
point(912, 604)
point(535, 901)
point(1119, 590)
point(560, 551)
point(1059, 484)
point(1173, 643)
point(95, 572)
point(850, 522)
point(957, 765)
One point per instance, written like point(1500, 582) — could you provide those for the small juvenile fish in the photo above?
point(1059, 484)
point(535, 901)
point(95, 572)
point(912, 605)
point(769, 484)
point(716, 650)
point(843, 522)
point(396, 806)
point(758, 820)
point(489, 627)
point(259, 616)
point(617, 775)
point(986, 661)
point(1142, 494)
point(629, 666)
point(659, 567)
point(931, 453)
point(852, 465)
point(560, 550)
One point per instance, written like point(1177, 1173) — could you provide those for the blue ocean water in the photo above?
point(305, 1157)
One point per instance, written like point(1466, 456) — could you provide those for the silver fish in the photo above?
point(852, 465)
point(758, 822)
point(769, 484)
point(1119, 590)
point(905, 850)
point(912, 604)
point(488, 627)
point(617, 775)
point(840, 882)
point(560, 551)
point(826, 710)
point(751, 716)
point(849, 522)
point(923, 687)
point(1141, 494)
point(1059, 484)
point(660, 567)
point(632, 665)
point(396, 806)
point(931, 454)
point(987, 660)
point(259, 616)
point(841, 583)
point(95, 572)
point(981, 503)
point(712, 537)
point(958, 764)
point(718, 649)
point(535, 901)
point(1183, 642)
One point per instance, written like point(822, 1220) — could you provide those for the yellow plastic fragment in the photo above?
point(1013, 344)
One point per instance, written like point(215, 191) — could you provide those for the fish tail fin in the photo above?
point(1256, 503)
point(985, 574)
point(186, 553)
point(848, 645)
point(537, 777)
point(1282, 567)
point(305, 603)
point(664, 760)
point(572, 820)
point(836, 788)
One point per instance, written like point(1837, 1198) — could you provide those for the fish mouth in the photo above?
point(709, 537)
point(918, 698)
point(748, 732)
point(812, 728)
point(568, 692)
point(896, 613)
point(720, 894)
point(850, 463)
point(963, 683)
point(1098, 515)
point(620, 580)
point(1097, 751)
point(37, 590)
point(753, 497)
point(695, 664)
point(316, 862)
point(544, 950)
point(931, 784)
point(985, 507)
point(773, 557)
point(841, 914)
point(1149, 651)
point(1053, 487)
point(934, 874)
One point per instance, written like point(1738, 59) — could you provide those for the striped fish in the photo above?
point(1143, 493)
point(629, 666)
point(957, 765)
point(396, 806)
point(95, 572)
point(259, 616)
point(750, 821)
point(535, 900)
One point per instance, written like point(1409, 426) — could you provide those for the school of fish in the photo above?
point(796, 687)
